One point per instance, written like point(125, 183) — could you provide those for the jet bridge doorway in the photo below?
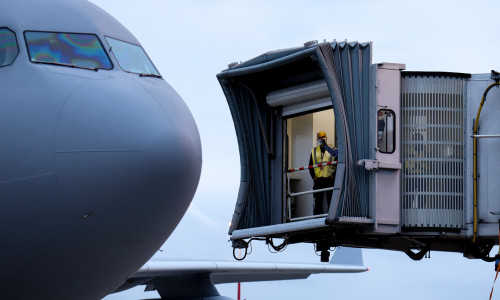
point(300, 138)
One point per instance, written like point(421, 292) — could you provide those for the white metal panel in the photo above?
point(298, 94)
point(387, 188)
point(301, 98)
point(312, 105)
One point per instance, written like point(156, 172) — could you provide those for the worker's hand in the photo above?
point(314, 178)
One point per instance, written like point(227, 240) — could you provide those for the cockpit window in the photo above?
point(8, 47)
point(132, 58)
point(67, 49)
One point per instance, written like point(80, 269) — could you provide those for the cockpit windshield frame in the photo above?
point(100, 59)
point(130, 50)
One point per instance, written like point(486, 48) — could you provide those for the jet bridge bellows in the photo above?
point(404, 168)
point(249, 88)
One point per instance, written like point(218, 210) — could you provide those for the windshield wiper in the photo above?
point(150, 75)
point(66, 65)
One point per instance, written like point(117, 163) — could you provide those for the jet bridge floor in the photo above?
point(293, 228)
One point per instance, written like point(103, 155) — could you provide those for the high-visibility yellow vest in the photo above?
point(415, 163)
point(324, 171)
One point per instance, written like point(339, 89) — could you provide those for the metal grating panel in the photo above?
point(432, 151)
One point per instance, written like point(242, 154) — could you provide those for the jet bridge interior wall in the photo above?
point(433, 150)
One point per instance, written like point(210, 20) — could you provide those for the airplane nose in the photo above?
point(127, 160)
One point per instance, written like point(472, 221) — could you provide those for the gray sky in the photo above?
point(191, 41)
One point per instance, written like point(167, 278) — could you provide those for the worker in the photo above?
point(324, 176)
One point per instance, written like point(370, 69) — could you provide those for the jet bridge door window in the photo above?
point(386, 133)
point(67, 49)
point(8, 47)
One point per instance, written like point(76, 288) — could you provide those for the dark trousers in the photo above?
point(321, 183)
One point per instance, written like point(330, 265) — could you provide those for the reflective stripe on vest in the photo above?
point(325, 171)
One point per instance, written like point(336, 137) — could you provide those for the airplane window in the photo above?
point(132, 58)
point(67, 49)
point(8, 47)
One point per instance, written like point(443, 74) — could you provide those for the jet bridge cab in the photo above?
point(405, 172)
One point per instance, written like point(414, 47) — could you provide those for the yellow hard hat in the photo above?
point(321, 135)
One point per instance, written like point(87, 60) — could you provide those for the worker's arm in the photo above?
point(333, 152)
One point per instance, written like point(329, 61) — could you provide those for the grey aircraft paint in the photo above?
point(96, 167)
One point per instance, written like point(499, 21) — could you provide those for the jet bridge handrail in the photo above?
point(289, 194)
point(311, 192)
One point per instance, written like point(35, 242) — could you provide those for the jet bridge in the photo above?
point(412, 173)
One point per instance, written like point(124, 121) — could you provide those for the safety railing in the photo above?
point(312, 167)
point(290, 195)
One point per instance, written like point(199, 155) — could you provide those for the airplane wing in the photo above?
point(192, 279)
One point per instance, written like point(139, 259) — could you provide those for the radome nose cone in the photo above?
point(122, 165)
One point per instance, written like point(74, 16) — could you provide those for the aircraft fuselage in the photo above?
point(97, 164)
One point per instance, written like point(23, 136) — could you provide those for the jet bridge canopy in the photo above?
point(266, 90)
